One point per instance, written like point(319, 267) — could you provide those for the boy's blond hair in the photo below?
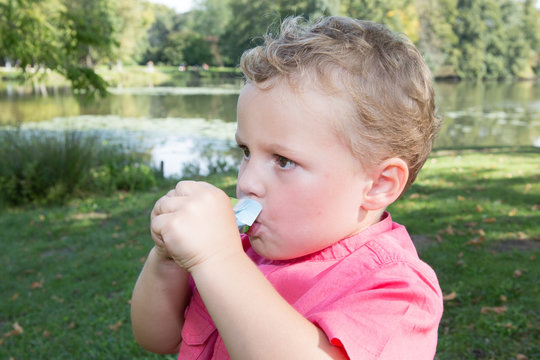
point(381, 72)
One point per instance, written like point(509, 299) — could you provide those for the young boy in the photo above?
point(335, 121)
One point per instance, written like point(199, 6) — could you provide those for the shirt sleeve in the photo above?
point(392, 313)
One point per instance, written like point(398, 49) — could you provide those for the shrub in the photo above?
point(44, 168)
point(120, 168)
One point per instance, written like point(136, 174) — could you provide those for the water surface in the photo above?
point(194, 126)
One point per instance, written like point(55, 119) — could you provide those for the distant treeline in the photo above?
point(468, 39)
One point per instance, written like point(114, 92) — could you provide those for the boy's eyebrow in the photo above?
point(272, 146)
point(278, 148)
point(269, 146)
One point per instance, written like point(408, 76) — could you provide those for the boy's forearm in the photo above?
point(254, 321)
point(159, 299)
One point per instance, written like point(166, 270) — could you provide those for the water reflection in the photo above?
point(195, 145)
point(497, 128)
point(184, 156)
point(23, 107)
point(488, 114)
point(195, 127)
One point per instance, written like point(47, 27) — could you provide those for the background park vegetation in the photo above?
point(466, 39)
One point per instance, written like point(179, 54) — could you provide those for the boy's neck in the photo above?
point(372, 217)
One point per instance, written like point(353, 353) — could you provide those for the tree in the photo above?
point(196, 49)
point(91, 24)
point(66, 36)
point(491, 42)
point(250, 21)
point(210, 17)
point(308, 8)
point(530, 29)
point(495, 39)
point(28, 31)
point(173, 48)
point(470, 28)
point(133, 20)
point(437, 40)
point(517, 51)
point(164, 40)
point(380, 11)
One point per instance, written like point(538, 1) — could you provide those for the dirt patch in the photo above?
point(56, 252)
point(517, 245)
point(422, 242)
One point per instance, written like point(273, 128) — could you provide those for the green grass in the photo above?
point(67, 272)
point(480, 214)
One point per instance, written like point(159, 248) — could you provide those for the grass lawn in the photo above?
point(67, 272)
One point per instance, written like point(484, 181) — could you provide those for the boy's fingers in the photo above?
point(159, 226)
point(166, 204)
point(184, 188)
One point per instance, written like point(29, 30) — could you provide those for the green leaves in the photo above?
point(483, 39)
point(63, 35)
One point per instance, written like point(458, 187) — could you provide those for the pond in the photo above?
point(191, 129)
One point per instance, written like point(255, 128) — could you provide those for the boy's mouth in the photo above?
point(253, 229)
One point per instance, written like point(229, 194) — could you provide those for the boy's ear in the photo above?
point(389, 180)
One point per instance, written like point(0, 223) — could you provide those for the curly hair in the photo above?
point(379, 71)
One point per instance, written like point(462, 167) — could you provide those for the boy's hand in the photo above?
point(194, 223)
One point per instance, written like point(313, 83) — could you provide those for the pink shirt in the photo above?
point(370, 294)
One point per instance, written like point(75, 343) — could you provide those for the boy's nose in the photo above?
point(249, 182)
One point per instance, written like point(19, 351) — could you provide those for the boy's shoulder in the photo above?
point(389, 246)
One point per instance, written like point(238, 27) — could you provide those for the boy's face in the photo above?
point(310, 185)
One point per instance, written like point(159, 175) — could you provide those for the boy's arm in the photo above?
point(254, 321)
point(159, 299)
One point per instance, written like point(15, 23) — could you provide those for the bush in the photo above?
point(45, 168)
point(120, 168)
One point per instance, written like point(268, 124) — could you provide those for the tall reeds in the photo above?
point(51, 167)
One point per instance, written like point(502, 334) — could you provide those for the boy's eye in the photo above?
point(245, 151)
point(284, 163)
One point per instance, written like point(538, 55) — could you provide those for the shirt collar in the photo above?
point(345, 246)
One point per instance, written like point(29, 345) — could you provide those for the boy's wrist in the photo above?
point(160, 254)
point(218, 262)
point(161, 260)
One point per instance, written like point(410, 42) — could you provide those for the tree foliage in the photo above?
point(133, 21)
point(242, 32)
point(437, 38)
point(475, 39)
point(491, 42)
point(67, 36)
point(210, 17)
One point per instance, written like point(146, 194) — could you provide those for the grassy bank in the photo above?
point(67, 272)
